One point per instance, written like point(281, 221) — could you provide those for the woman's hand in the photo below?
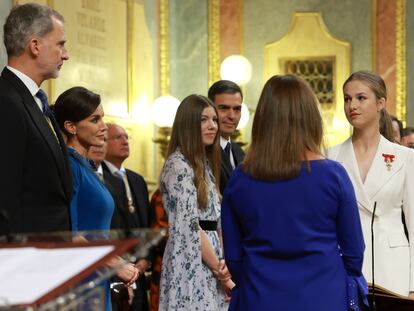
point(127, 272)
point(411, 295)
point(222, 273)
point(227, 286)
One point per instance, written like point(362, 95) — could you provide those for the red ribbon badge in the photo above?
point(388, 159)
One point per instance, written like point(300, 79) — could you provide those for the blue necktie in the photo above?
point(45, 105)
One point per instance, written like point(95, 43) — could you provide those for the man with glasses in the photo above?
point(134, 212)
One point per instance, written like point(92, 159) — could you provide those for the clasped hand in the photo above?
point(127, 272)
point(223, 275)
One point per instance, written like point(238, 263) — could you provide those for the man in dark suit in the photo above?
point(114, 184)
point(36, 183)
point(228, 98)
point(132, 212)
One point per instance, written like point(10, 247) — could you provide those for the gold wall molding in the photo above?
point(400, 46)
point(213, 41)
point(374, 35)
point(316, 42)
point(130, 32)
point(164, 42)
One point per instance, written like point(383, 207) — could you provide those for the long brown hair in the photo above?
point(287, 123)
point(186, 134)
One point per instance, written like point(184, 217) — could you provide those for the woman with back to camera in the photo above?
point(291, 229)
point(382, 175)
point(192, 277)
point(79, 113)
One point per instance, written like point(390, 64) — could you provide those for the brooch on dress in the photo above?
point(388, 159)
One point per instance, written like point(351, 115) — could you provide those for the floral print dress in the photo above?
point(186, 282)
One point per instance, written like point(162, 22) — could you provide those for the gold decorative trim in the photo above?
point(374, 34)
point(130, 53)
point(213, 41)
point(164, 37)
point(241, 21)
point(401, 60)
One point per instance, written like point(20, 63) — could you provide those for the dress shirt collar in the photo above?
point(29, 83)
point(223, 142)
point(99, 170)
point(113, 169)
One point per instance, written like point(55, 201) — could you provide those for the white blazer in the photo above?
point(390, 187)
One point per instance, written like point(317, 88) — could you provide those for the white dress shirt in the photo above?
point(29, 83)
point(223, 144)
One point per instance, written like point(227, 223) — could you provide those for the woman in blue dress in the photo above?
point(79, 114)
point(291, 229)
point(192, 277)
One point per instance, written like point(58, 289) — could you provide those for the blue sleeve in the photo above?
point(74, 204)
point(349, 230)
point(232, 236)
point(351, 241)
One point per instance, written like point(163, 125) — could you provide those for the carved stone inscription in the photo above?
point(96, 34)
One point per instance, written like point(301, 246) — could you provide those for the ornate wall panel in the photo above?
point(310, 51)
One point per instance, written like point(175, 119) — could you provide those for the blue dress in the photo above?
point(294, 244)
point(92, 206)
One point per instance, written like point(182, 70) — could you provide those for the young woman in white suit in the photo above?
point(382, 173)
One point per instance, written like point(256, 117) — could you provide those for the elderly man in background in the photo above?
point(134, 212)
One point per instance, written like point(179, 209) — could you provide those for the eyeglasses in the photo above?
point(119, 137)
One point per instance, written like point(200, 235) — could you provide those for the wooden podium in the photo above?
point(64, 271)
point(387, 300)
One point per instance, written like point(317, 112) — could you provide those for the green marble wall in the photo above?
point(188, 44)
point(266, 21)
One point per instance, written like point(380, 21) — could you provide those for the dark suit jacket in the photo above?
point(122, 218)
point(36, 184)
point(140, 196)
point(226, 168)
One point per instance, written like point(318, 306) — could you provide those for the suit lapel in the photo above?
point(238, 153)
point(346, 157)
point(379, 174)
point(52, 141)
point(134, 192)
point(45, 130)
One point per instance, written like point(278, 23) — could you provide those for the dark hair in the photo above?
point(385, 126)
point(25, 21)
point(400, 125)
point(223, 87)
point(75, 104)
point(407, 131)
point(287, 123)
point(186, 134)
